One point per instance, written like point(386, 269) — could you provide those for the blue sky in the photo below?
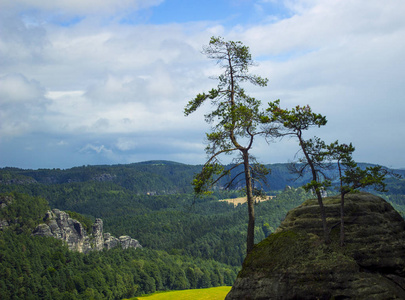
point(227, 13)
point(106, 81)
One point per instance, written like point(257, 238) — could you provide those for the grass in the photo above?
point(216, 293)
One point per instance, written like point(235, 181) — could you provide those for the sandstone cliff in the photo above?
point(294, 263)
point(59, 225)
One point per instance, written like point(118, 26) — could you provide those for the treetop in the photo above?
point(297, 119)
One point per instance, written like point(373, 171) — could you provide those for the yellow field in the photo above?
point(242, 200)
point(216, 293)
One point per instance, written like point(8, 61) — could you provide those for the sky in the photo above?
point(90, 82)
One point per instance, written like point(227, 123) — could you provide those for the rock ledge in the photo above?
point(294, 263)
point(59, 225)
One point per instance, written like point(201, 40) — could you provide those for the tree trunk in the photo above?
point(250, 240)
point(342, 220)
point(317, 191)
point(323, 217)
point(342, 207)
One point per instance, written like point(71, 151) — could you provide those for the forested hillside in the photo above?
point(188, 242)
point(178, 223)
point(33, 267)
point(153, 177)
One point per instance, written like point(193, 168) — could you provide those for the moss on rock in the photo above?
point(294, 263)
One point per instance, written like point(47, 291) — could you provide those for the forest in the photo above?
point(189, 241)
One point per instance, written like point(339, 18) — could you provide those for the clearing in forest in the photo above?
point(241, 200)
point(216, 293)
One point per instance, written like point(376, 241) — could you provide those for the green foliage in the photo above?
point(352, 176)
point(137, 180)
point(297, 119)
point(21, 211)
point(193, 245)
point(45, 269)
point(294, 122)
point(207, 229)
point(158, 177)
point(357, 178)
point(235, 120)
point(34, 267)
point(316, 186)
point(235, 116)
point(204, 180)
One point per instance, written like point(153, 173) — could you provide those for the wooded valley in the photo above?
point(188, 242)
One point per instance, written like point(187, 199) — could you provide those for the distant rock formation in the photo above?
point(4, 202)
point(104, 177)
point(294, 262)
point(59, 225)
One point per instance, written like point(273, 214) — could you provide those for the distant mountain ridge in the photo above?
point(153, 177)
point(150, 177)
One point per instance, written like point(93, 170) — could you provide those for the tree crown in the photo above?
point(297, 119)
point(235, 117)
point(235, 110)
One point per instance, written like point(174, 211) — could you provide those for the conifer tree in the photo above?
point(236, 120)
point(295, 122)
point(354, 177)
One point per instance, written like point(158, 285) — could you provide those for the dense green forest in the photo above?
point(33, 267)
point(153, 177)
point(188, 242)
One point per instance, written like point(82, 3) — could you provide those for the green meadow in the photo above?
point(216, 293)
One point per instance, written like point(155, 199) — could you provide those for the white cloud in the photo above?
point(125, 144)
point(97, 78)
point(20, 43)
point(98, 149)
point(22, 104)
point(321, 24)
point(62, 143)
point(16, 88)
point(78, 6)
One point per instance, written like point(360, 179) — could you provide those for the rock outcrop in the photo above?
point(59, 225)
point(295, 263)
point(4, 202)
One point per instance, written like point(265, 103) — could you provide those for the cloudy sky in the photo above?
point(86, 82)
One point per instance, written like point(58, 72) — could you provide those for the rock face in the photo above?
point(294, 263)
point(4, 202)
point(59, 225)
